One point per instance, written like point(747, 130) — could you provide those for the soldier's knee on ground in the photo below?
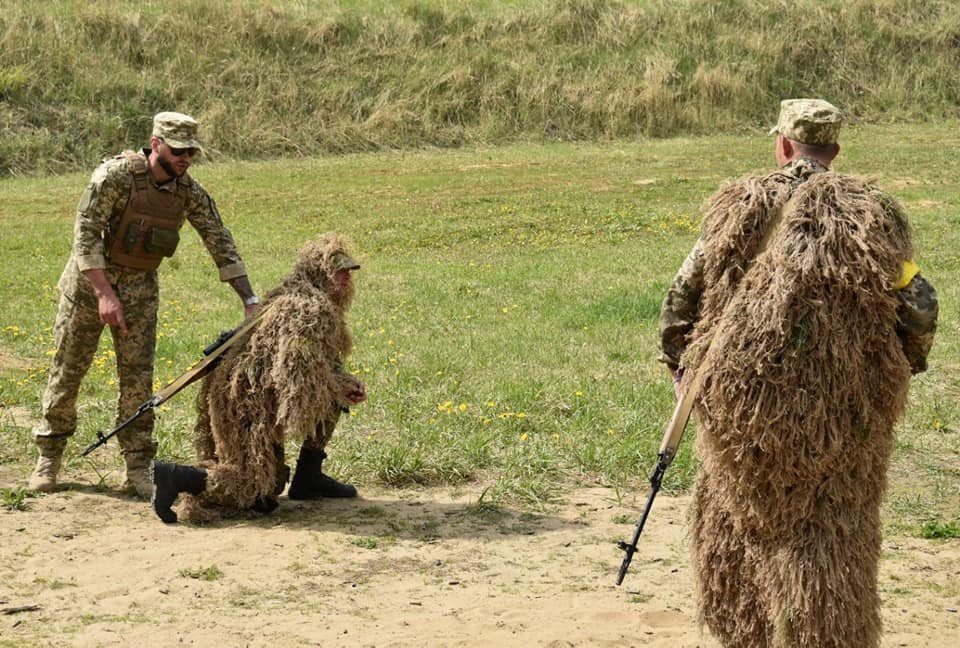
point(169, 480)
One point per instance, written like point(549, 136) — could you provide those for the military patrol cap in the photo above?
point(810, 121)
point(343, 261)
point(176, 129)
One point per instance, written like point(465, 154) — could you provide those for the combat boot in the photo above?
point(309, 482)
point(169, 480)
point(137, 474)
point(44, 476)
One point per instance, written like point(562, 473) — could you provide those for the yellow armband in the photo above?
point(910, 270)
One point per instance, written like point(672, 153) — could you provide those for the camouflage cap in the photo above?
point(343, 261)
point(810, 121)
point(176, 129)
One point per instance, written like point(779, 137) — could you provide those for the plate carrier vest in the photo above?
point(148, 229)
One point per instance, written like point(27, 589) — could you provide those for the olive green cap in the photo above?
point(810, 121)
point(176, 129)
point(343, 261)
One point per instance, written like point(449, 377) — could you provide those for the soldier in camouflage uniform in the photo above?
point(798, 140)
point(803, 377)
point(128, 220)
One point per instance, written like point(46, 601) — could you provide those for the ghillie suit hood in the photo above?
point(803, 378)
point(283, 381)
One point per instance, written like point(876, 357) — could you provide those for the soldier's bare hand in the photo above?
point(677, 383)
point(111, 312)
point(250, 311)
point(358, 394)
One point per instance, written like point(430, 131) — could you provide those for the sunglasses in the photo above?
point(180, 152)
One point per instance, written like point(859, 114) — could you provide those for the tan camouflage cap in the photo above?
point(811, 121)
point(176, 129)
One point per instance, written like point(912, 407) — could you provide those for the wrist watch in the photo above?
point(251, 301)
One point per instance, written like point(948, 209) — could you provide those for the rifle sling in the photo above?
point(202, 367)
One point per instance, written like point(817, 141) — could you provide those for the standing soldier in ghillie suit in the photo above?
point(803, 315)
point(128, 220)
point(286, 380)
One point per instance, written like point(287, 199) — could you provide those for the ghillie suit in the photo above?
point(284, 381)
point(804, 377)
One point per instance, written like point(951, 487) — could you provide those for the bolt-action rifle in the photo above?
point(212, 355)
point(681, 413)
point(668, 451)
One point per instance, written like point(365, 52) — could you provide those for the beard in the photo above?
point(167, 166)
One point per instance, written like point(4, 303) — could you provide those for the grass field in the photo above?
point(506, 312)
point(294, 78)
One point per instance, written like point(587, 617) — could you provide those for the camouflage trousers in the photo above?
point(77, 334)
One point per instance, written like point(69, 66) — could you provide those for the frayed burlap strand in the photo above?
point(281, 381)
point(803, 381)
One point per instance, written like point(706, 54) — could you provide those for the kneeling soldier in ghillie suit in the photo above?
point(286, 380)
point(805, 343)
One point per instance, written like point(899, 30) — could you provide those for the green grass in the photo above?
point(506, 312)
point(81, 79)
point(15, 499)
point(210, 573)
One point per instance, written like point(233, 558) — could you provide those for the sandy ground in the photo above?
point(89, 567)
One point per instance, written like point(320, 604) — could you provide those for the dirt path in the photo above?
point(394, 568)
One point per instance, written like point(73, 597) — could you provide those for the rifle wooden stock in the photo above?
point(681, 413)
point(668, 451)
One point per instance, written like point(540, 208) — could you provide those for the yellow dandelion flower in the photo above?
point(463, 407)
point(523, 437)
point(579, 393)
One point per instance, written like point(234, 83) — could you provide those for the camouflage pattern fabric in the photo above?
point(176, 129)
point(77, 332)
point(104, 200)
point(810, 121)
point(681, 306)
point(802, 381)
point(77, 328)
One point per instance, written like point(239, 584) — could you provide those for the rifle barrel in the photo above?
point(655, 480)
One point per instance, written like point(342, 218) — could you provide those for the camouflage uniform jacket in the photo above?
point(917, 314)
point(103, 203)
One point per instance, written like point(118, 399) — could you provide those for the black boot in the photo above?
point(265, 504)
point(309, 482)
point(169, 480)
